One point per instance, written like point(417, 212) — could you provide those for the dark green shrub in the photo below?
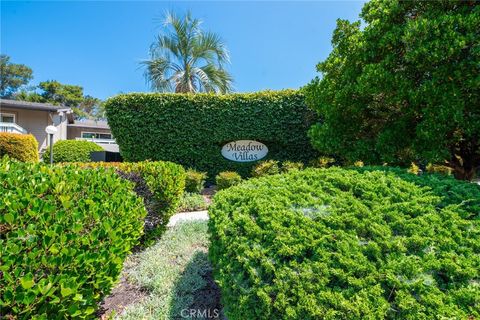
point(23, 147)
point(194, 181)
point(339, 244)
point(288, 166)
point(191, 129)
point(64, 235)
point(227, 179)
point(71, 151)
point(265, 168)
point(192, 202)
point(401, 84)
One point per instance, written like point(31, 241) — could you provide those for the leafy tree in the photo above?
point(186, 59)
point(12, 76)
point(403, 87)
point(92, 107)
point(63, 94)
point(66, 95)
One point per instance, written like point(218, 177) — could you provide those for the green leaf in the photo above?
point(9, 218)
point(27, 281)
point(66, 291)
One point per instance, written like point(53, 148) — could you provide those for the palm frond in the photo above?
point(157, 74)
point(176, 54)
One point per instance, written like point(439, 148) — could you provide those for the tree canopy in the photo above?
point(184, 58)
point(72, 96)
point(403, 86)
point(12, 76)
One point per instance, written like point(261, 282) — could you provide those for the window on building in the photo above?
point(95, 135)
point(7, 117)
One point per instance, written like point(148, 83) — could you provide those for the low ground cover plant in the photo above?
point(227, 179)
point(337, 243)
point(194, 181)
point(64, 235)
point(176, 276)
point(72, 151)
point(23, 147)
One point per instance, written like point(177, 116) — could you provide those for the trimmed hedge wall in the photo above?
point(71, 151)
point(191, 129)
point(64, 234)
point(23, 147)
point(339, 244)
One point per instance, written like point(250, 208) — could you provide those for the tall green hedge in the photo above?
point(339, 244)
point(191, 129)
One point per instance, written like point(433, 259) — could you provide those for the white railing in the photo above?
point(11, 127)
point(99, 141)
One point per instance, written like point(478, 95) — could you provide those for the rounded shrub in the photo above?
point(23, 147)
point(441, 169)
point(265, 168)
point(160, 183)
point(321, 162)
point(64, 234)
point(227, 179)
point(194, 181)
point(288, 166)
point(72, 151)
point(450, 190)
point(192, 202)
point(341, 244)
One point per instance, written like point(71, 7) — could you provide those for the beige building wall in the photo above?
point(35, 122)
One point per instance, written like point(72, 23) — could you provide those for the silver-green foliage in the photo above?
point(171, 270)
point(339, 244)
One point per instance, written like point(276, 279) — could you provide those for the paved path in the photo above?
point(187, 216)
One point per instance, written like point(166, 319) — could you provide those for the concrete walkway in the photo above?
point(187, 216)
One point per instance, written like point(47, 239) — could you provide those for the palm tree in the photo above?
point(186, 59)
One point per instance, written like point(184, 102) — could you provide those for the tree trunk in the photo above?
point(464, 167)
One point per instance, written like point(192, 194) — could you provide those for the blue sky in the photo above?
point(98, 45)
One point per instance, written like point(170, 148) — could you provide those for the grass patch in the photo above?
point(177, 276)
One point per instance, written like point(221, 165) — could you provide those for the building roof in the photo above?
point(100, 124)
point(32, 106)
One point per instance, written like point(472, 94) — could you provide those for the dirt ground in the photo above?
point(122, 295)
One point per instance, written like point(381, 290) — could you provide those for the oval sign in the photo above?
point(244, 150)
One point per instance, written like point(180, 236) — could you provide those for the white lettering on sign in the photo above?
point(244, 150)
